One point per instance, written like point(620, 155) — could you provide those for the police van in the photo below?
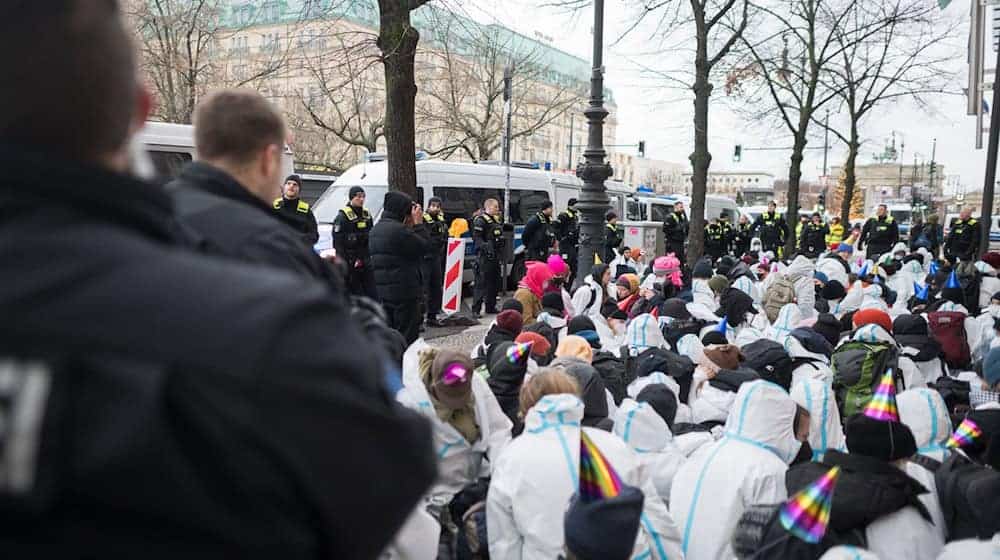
point(462, 188)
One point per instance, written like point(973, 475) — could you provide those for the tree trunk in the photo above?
point(397, 39)
point(794, 178)
point(701, 159)
point(850, 177)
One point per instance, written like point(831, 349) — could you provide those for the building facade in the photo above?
point(732, 183)
point(893, 183)
point(663, 177)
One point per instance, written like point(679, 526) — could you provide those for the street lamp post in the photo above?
point(594, 170)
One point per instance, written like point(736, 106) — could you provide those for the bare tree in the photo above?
point(462, 100)
point(907, 58)
point(187, 46)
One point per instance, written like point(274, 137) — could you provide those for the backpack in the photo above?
point(857, 367)
point(948, 329)
point(770, 360)
point(613, 372)
point(681, 368)
point(780, 293)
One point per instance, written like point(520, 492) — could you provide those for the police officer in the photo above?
point(741, 236)
point(539, 234)
point(614, 237)
point(772, 228)
point(715, 239)
point(487, 232)
point(728, 232)
point(963, 238)
point(433, 265)
point(813, 240)
point(675, 231)
point(350, 239)
point(568, 234)
point(880, 233)
point(296, 212)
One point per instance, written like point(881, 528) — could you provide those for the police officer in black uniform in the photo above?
point(813, 240)
point(350, 239)
point(437, 230)
point(880, 233)
point(614, 237)
point(772, 229)
point(741, 236)
point(963, 238)
point(675, 231)
point(539, 234)
point(715, 239)
point(728, 232)
point(296, 212)
point(487, 232)
point(568, 234)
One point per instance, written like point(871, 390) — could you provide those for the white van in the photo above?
point(171, 146)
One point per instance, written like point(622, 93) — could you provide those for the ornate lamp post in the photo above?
point(593, 202)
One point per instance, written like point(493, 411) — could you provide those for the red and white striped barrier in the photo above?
point(453, 265)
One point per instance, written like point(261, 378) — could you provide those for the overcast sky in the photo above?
point(662, 117)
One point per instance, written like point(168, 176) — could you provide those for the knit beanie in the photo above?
point(397, 203)
point(580, 323)
point(873, 316)
point(512, 304)
point(576, 347)
point(451, 375)
point(603, 529)
point(888, 441)
point(991, 368)
point(557, 266)
point(662, 399)
point(993, 259)
point(553, 300)
point(726, 356)
point(725, 265)
point(718, 283)
point(675, 308)
point(510, 321)
point(540, 345)
point(353, 192)
point(833, 290)
point(702, 269)
point(714, 337)
point(828, 326)
point(296, 178)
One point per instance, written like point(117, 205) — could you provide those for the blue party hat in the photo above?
point(922, 293)
point(723, 325)
point(953, 281)
point(877, 280)
point(864, 271)
point(933, 270)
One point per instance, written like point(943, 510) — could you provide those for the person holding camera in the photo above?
point(397, 245)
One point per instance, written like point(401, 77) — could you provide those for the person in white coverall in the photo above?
point(747, 466)
point(801, 271)
point(825, 428)
point(647, 433)
point(538, 473)
point(925, 413)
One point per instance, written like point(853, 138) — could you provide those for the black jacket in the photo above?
point(396, 253)
point(879, 235)
point(538, 235)
point(968, 495)
point(223, 218)
point(612, 372)
point(184, 392)
point(297, 214)
point(675, 228)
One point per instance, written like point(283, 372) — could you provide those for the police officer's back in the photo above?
point(296, 212)
point(880, 233)
point(539, 234)
point(487, 233)
point(351, 228)
point(963, 237)
point(174, 397)
point(568, 234)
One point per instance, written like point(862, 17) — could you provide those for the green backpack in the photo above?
point(857, 367)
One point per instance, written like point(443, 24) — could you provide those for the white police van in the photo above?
point(462, 188)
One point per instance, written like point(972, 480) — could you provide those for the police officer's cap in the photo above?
point(354, 191)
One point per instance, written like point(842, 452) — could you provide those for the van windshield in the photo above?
point(335, 198)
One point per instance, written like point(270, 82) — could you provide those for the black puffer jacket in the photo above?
point(397, 251)
point(612, 372)
point(595, 400)
point(505, 382)
point(912, 331)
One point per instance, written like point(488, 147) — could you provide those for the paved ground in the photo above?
point(461, 338)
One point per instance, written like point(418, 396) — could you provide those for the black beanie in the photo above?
point(887, 441)
point(662, 399)
point(553, 300)
point(833, 290)
point(604, 529)
point(397, 204)
point(294, 177)
point(714, 337)
point(580, 323)
point(702, 269)
point(726, 264)
point(675, 308)
point(353, 192)
point(828, 326)
point(512, 304)
point(571, 202)
point(988, 421)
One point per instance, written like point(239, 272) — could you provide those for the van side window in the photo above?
point(462, 202)
point(636, 211)
point(168, 165)
point(660, 212)
point(525, 204)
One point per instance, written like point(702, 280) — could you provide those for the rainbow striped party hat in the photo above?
point(517, 352)
point(598, 479)
point(883, 404)
point(965, 433)
point(807, 513)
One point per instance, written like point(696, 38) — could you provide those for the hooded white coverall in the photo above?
point(538, 473)
point(825, 429)
point(747, 466)
point(925, 413)
point(647, 433)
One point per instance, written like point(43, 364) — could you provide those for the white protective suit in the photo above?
point(848, 552)
point(903, 535)
point(852, 301)
point(683, 415)
point(538, 473)
point(989, 284)
point(916, 272)
point(747, 466)
point(825, 429)
point(788, 319)
point(813, 366)
point(968, 549)
point(801, 270)
point(833, 269)
point(703, 305)
point(557, 324)
point(643, 332)
point(587, 298)
point(925, 413)
point(987, 334)
point(902, 283)
point(647, 433)
point(459, 462)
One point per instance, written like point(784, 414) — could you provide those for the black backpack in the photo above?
point(613, 372)
point(681, 368)
point(770, 360)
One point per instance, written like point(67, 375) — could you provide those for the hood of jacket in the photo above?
point(825, 428)
point(925, 413)
point(795, 350)
point(554, 410)
point(497, 334)
point(506, 377)
point(641, 427)
point(763, 415)
point(536, 278)
point(702, 294)
point(867, 489)
point(801, 267)
point(592, 392)
point(644, 332)
point(734, 305)
point(872, 333)
point(911, 331)
point(814, 345)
